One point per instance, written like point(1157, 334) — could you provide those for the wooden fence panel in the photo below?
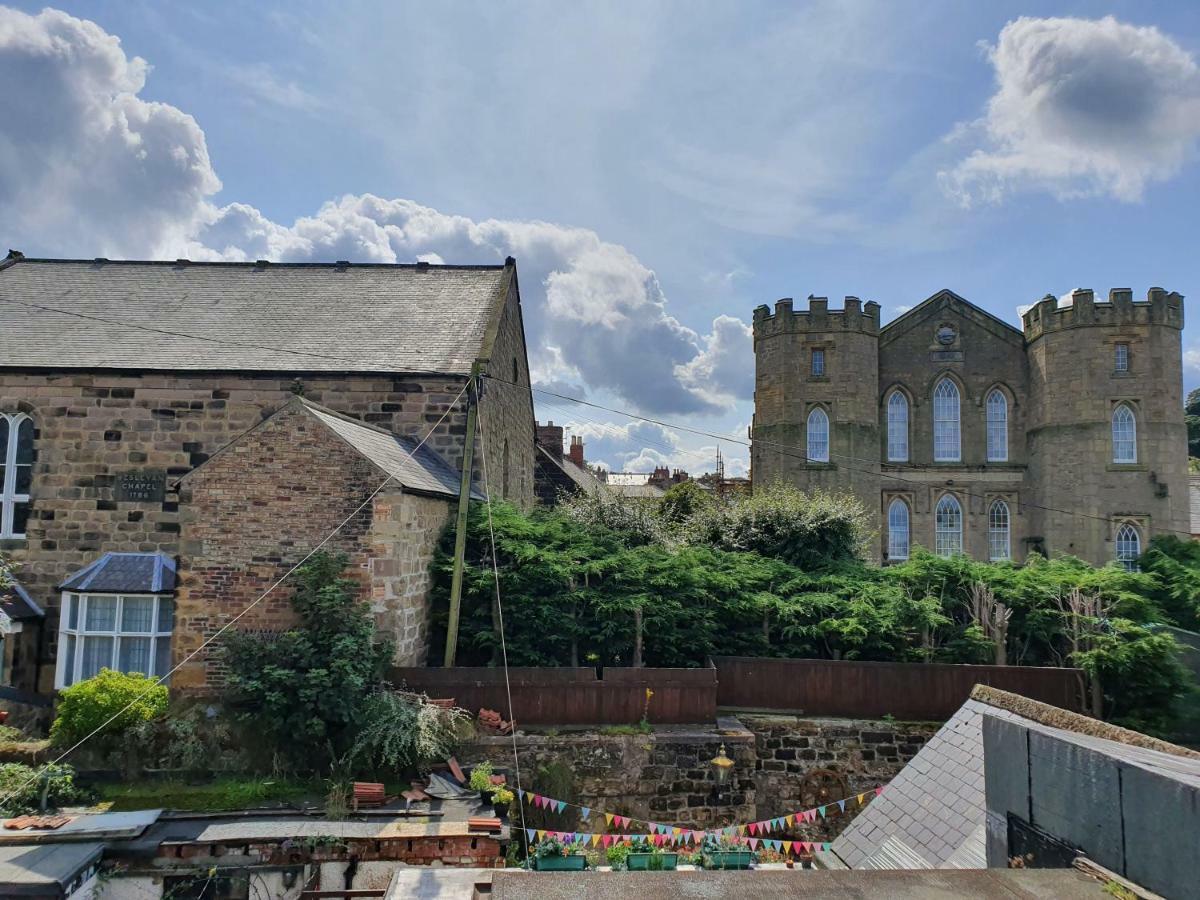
point(821, 687)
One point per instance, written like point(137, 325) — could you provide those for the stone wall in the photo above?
point(666, 776)
point(92, 428)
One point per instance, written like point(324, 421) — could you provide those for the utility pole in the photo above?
point(460, 530)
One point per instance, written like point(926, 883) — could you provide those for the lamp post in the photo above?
point(722, 766)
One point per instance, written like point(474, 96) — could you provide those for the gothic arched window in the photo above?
point(1129, 547)
point(898, 530)
point(997, 426)
point(1124, 435)
point(999, 531)
point(948, 526)
point(818, 436)
point(947, 446)
point(897, 427)
point(16, 473)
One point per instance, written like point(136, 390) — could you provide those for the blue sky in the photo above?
point(657, 169)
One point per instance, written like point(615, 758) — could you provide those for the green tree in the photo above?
point(683, 502)
point(1191, 412)
point(306, 690)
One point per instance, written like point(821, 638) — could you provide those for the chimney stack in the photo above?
point(576, 451)
point(550, 438)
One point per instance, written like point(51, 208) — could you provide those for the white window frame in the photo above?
point(1128, 548)
point(817, 451)
point(1124, 435)
point(948, 533)
point(999, 531)
point(899, 549)
point(816, 364)
point(997, 426)
point(897, 427)
point(947, 422)
point(1121, 356)
point(75, 664)
point(9, 498)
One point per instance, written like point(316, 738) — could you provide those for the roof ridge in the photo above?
point(253, 264)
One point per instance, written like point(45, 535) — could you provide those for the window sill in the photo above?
point(1126, 467)
point(818, 379)
point(14, 543)
point(810, 464)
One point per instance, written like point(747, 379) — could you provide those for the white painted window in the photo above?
point(898, 530)
point(1124, 435)
point(818, 361)
point(126, 633)
point(997, 426)
point(947, 446)
point(948, 526)
point(1121, 358)
point(16, 473)
point(897, 422)
point(1129, 547)
point(818, 436)
point(999, 532)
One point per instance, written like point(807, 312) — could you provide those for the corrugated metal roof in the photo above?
point(124, 573)
point(245, 317)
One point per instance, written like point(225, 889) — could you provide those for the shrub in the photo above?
point(125, 698)
point(404, 729)
point(21, 787)
point(481, 777)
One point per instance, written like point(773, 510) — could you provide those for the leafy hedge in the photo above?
point(125, 699)
point(782, 575)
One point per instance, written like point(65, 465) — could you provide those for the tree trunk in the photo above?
point(1097, 698)
point(637, 638)
point(766, 626)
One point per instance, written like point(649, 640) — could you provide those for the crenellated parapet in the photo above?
point(854, 316)
point(1159, 308)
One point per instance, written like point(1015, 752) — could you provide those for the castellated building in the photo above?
point(961, 433)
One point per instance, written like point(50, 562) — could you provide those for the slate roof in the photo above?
point(422, 470)
point(44, 870)
point(125, 573)
point(1194, 502)
point(934, 810)
point(580, 477)
point(17, 604)
point(247, 317)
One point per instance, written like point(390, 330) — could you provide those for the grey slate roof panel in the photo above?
point(243, 317)
point(17, 604)
point(43, 870)
point(124, 573)
point(423, 470)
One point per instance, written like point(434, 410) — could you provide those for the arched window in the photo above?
point(1129, 547)
point(818, 436)
point(946, 444)
point(998, 531)
point(897, 425)
point(997, 426)
point(898, 530)
point(1124, 435)
point(948, 527)
point(16, 473)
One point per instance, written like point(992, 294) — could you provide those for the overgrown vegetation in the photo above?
point(25, 788)
point(215, 796)
point(112, 701)
point(607, 581)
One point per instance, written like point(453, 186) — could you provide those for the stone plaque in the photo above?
point(144, 486)
point(946, 356)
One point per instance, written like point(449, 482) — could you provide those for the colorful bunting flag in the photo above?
point(521, 793)
point(821, 811)
point(561, 806)
point(842, 805)
point(787, 846)
point(587, 811)
point(530, 833)
point(608, 818)
point(878, 790)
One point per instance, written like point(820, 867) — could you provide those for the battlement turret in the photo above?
point(853, 316)
point(1159, 308)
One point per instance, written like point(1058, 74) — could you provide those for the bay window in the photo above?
point(123, 632)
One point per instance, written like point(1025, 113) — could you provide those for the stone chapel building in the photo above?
point(963, 434)
point(174, 436)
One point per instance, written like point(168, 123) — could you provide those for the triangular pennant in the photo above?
point(879, 790)
point(842, 805)
point(821, 810)
point(587, 811)
point(825, 848)
point(861, 799)
point(521, 793)
point(561, 806)
point(753, 843)
point(608, 818)
point(753, 828)
point(607, 840)
point(541, 835)
point(595, 839)
point(787, 846)
point(741, 829)
point(531, 833)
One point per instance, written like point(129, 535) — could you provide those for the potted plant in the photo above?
point(552, 855)
point(617, 854)
point(502, 797)
point(645, 857)
point(723, 853)
point(481, 780)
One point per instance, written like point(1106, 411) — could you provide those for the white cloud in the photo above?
point(1191, 359)
point(724, 369)
point(89, 168)
point(86, 166)
point(1082, 107)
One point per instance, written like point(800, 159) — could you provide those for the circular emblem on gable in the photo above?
point(946, 334)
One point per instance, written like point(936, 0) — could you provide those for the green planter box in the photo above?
point(573, 863)
point(728, 859)
point(641, 862)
